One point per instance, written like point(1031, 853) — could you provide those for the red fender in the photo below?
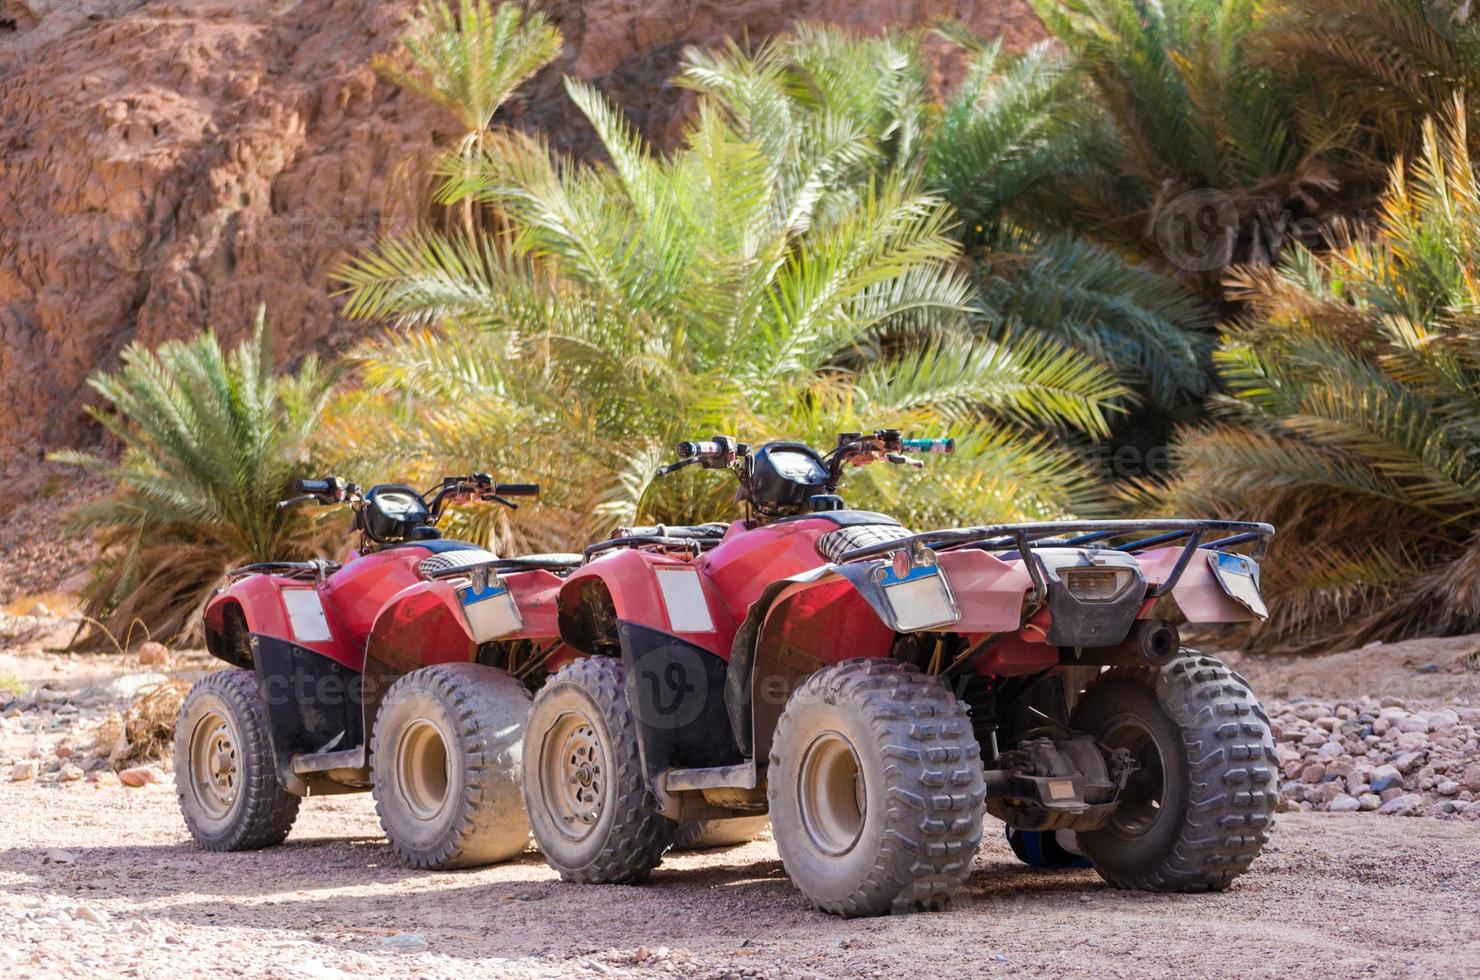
point(1197, 592)
point(624, 585)
point(423, 624)
point(259, 600)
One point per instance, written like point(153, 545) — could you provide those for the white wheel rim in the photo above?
point(215, 765)
point(831, 794)
point(573, 776)
point(423, 772)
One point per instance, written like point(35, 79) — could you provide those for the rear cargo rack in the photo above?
point(1023, 538)
point(502, 565)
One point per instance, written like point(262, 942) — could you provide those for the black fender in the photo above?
point(313, 704)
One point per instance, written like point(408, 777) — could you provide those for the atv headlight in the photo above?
point(1096, 584)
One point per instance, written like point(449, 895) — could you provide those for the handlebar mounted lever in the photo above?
point(480, 486)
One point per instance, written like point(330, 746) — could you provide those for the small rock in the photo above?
point(58, 856)
point(138, 776)
point(23, 770)
point(1471, 779)
point(1390, 794)
point(152, 652)
point(1402, 806)
point(104, 777)
point(1447, 787)
point(1344, 804)
point(70, 774)
point(1384, 778)
point(1408, 761)
point(1369, 802)
point(1313, 773)
point(88, 914)
point(1428, 668)
point(405, 940)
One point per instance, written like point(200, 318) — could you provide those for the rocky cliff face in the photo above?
point(169, 165)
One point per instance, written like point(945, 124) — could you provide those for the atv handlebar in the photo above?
point(517, 489)
point(712, 454)
point(329, 490)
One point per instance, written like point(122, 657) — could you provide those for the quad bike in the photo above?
point(877, 690)
point(405, 671)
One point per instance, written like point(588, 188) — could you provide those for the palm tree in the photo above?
point(1012, 128)
point(1353, 420)
point(763, 285)
point(211, 442)
point(1205, 155)
point(1385, 63)
point(469, 60)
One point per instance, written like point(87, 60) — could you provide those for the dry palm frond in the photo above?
point(1354, 421)
point(146, 730)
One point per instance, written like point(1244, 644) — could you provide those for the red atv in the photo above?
point(406, 670)
point(876, 690)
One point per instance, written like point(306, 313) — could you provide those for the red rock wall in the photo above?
point(167, 166)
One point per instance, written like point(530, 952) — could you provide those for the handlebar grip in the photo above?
point(312, 486)
point(517, 489)
point(946, 445)
point(688, 450)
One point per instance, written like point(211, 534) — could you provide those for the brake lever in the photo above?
point(905, 460)
point(502, 500)
point(665, 470)
point(295, 501)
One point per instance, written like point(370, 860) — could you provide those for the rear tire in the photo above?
point(225, 772)
point(589, 805)
point(699, 835)
point(875, 789)
point(1200, 809)
point(446, 760)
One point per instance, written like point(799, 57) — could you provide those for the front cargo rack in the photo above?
point(1023, 538)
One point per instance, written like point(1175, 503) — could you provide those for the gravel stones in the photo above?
point(1398, 758)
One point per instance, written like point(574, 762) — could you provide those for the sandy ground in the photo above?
point(104, 880)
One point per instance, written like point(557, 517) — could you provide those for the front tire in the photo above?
point(589, 805)
point(1199, 809)
point(875, 789)
point(446, 762)
point(225, 773)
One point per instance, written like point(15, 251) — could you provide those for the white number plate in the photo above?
point(1239, 577)
point(921, 600)
point(491, 612)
